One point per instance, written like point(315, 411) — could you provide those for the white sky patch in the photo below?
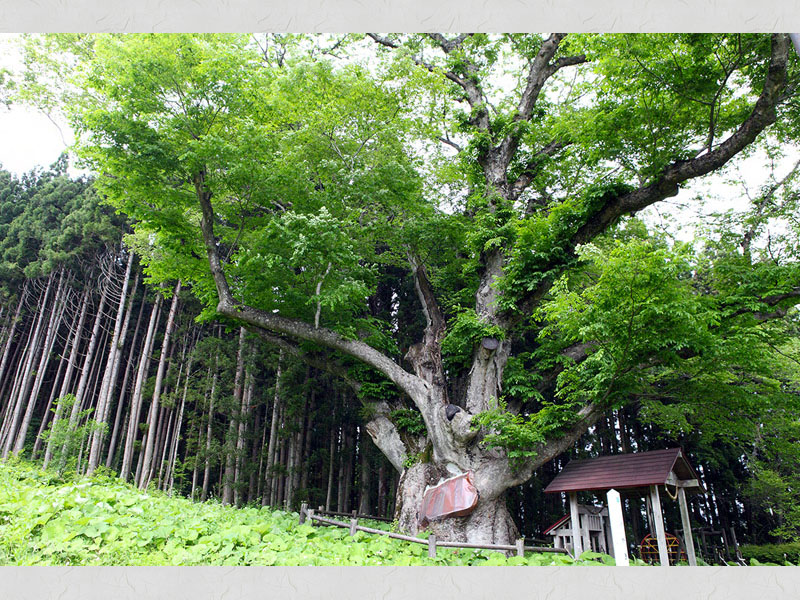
point(28, 139)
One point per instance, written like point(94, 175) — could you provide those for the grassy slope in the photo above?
point(47, 520)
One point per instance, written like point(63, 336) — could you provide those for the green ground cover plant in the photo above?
point(772, 554)
point(51, 519)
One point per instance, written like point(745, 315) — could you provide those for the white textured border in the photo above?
point(398, 583)
point(399, 15)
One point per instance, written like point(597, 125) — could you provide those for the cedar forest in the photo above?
point(332, 269)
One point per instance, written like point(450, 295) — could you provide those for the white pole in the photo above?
point(687, 528)
point(618, 539)
point(658, 517)
point(577, 549)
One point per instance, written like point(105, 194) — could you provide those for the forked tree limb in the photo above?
point(228, 306)
point(667, 183)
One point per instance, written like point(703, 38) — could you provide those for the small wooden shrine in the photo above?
point(593, 525)
point(637, 474)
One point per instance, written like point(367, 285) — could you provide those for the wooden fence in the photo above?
point(520, 548)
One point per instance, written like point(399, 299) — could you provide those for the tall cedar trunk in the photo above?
point(162, 446)
point(10, 339)
point(382, 490)
point(15, 380)
point(86, 370)
point(365, 481)
point(349, 471)
point(307, 439)
point(281, 461)
point(247, 395)
point(56, 314)
point(256, 450)
point(269, 493)
point(291, 454)
point(37, 445)
point(173, 457)
point(297, 449)
point(12, 373)
point(136, 396)
point(260, 451)
point(340, 477)
point(230, 441)
point(92, 390)
point(110, 374)
point(147, 466)
point(123, 390)
point(71, 364)
point(15, 416)
point(331, 457)
point(209, 431)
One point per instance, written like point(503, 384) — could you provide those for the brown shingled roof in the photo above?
point(623, 471)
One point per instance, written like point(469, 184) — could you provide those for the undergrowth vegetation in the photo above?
point(47, 519)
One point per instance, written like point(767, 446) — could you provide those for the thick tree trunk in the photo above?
point(489, 523)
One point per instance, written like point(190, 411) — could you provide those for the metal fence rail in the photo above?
point(520, 548)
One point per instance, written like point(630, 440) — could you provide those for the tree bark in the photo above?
point(10, 339)
point(209, 430)
point(269, 493)
point(136, 396)
point(71, 364)
point(56, 314)
point(86, 370)
point(112, 366)
point(147, 468)
point(15, 416)
point(231, 443)
point(112, 445)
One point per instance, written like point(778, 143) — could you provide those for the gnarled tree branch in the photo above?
point(412, 385)
point(668, 182)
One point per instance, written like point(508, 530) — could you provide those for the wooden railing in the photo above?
point(520, 548)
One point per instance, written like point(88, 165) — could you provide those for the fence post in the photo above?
point(521, 547)
point(310, 513)
point(303, 508)
point(353, 525)
point(321, 510)
point(432, 546)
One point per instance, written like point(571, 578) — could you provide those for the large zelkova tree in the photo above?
point(295, 192)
